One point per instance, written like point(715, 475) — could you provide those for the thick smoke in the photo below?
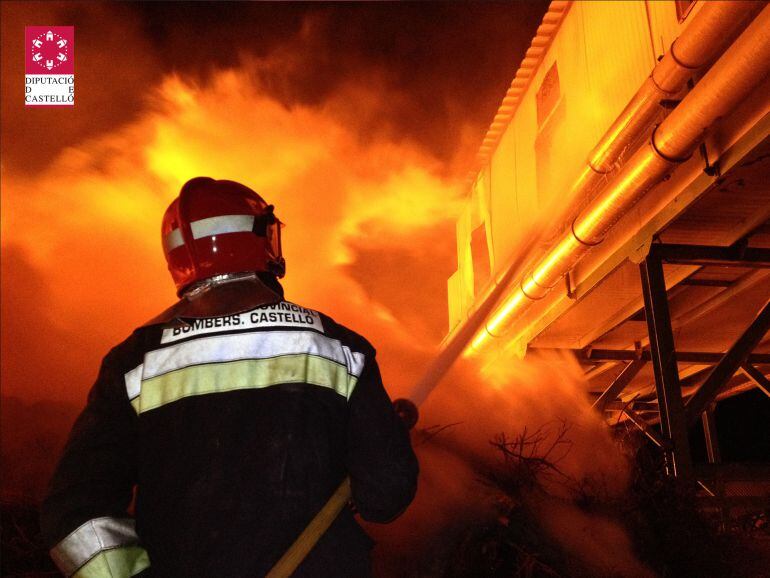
point(430, 73)
point(360, 139)
point(473, 406)
point(81, 238)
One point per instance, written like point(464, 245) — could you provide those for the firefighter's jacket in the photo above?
point(232, 432)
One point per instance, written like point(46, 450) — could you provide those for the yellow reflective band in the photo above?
point(115, 563)
point(243, 374)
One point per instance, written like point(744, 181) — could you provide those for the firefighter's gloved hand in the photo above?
point(407, 411)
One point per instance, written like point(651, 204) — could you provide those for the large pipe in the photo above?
point(708, 34)
point(705, 38)
point(743, 66)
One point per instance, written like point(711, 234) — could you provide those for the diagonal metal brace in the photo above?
point(729, 364)
point(646, 428)
point(620, 383)
point(759, 379)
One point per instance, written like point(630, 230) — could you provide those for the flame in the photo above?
point(83, 263)
point(89, 225)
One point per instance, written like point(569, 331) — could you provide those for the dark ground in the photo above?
point(671, 534)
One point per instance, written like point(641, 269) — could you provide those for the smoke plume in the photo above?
point(358, 124)
point(83, 263)
point(476, 404)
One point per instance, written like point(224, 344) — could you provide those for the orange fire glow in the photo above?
point(481, 400)
point(89, 225)
point(368, 239)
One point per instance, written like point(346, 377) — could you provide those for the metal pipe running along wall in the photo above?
point(707, 35)
point(743, 66)
point(705, 38)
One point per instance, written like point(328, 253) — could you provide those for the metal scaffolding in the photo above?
point(677, 415)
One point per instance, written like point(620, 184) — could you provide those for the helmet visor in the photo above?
point(276, 261)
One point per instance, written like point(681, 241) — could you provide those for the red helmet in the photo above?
point(219, 227)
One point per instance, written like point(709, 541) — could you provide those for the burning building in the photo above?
point(630, 157)
point(617, 211)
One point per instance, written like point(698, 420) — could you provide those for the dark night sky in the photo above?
point(442, 65)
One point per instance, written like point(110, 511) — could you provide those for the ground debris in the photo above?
point(668, 534)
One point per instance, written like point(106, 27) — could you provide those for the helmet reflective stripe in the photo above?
point(173, 240)
point(222, 225)
point(195, 230)
point(211, 226)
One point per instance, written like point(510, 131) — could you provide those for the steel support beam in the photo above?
point(636, 405)
point(757, 377)
point(645, 428)
point(706, 282)
point(696, 377)
point(710, 432)
point(734, 472)
point(619, 384)
point(713, 455)
point(673, 419)
point(700, 357)
point(729, 364)
point(735, 256)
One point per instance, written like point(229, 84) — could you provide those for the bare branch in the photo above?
point(428, 433)
point(537, 454)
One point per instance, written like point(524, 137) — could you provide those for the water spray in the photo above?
point(407, 409)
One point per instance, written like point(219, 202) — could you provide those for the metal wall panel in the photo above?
point(464, 257)
point(570, 132)
point(524, 126)
point(619, 54)
point(454, 299)
point(663, 23)
point(503, 207)
point(603, 52)
point(480, 215)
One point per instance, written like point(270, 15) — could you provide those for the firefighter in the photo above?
point(225, 423)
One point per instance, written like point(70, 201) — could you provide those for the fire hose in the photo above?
point(406, 409)
point(301, 547)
